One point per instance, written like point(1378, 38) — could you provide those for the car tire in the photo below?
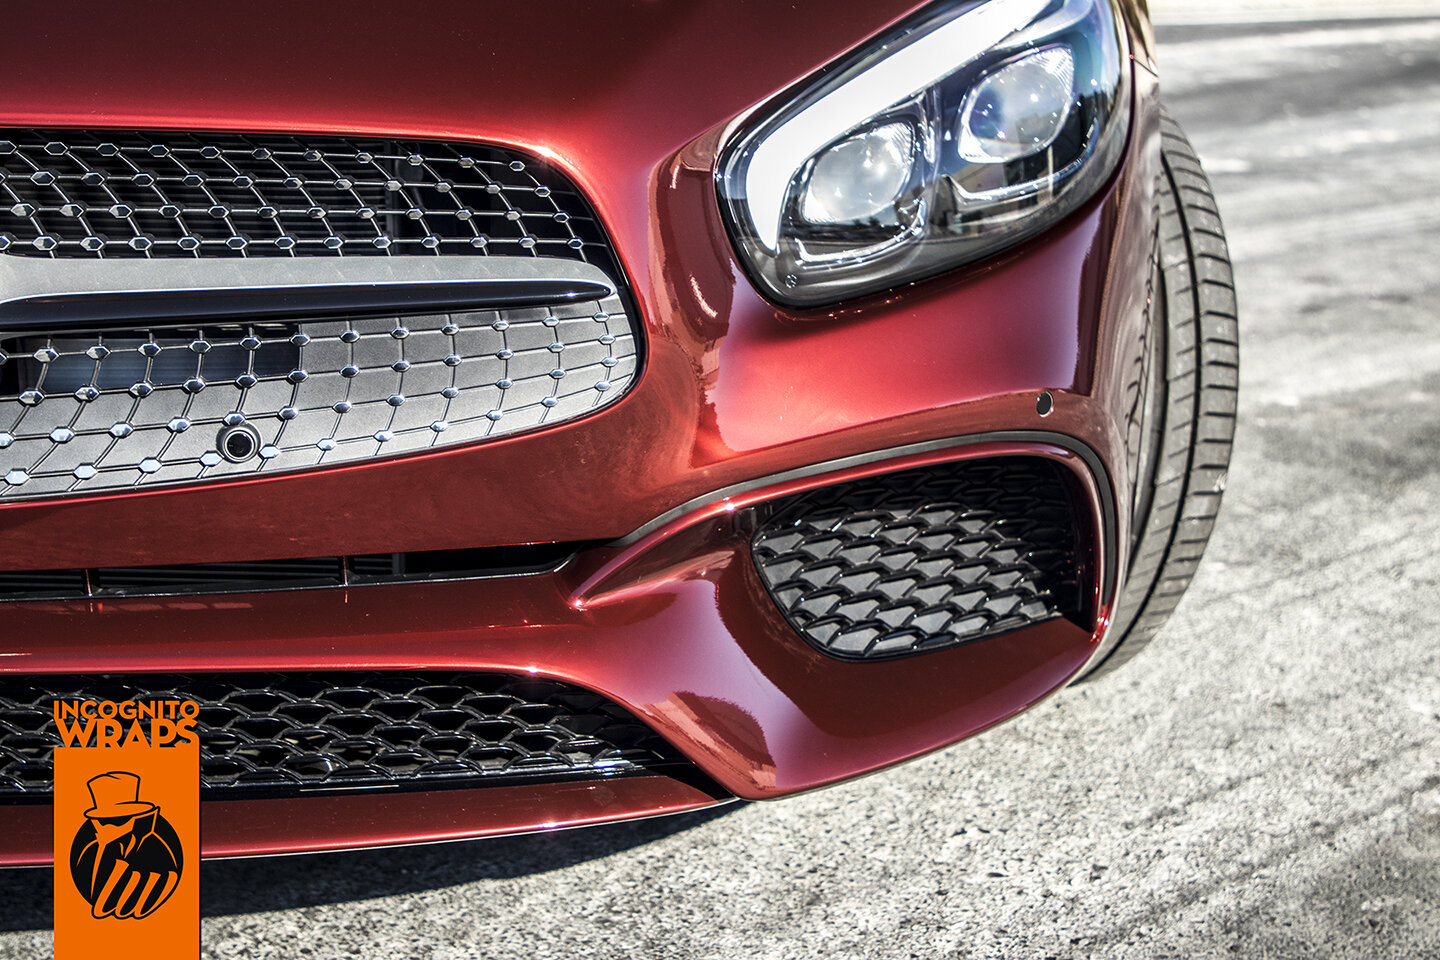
point(1184, 420)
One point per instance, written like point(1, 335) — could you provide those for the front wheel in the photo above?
point(1186, 420)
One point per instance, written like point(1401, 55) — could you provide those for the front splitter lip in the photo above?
point(676, 626)
point(247, 828)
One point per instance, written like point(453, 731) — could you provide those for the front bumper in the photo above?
point(737, 403)
point(677, 627)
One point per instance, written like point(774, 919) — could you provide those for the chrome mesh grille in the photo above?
point(136, 408)
point(69, 193)
point(924, 559)
point(106, 404)
point(312, 731)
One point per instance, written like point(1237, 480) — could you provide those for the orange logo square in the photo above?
point(127, 832)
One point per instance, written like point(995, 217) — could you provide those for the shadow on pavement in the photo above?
point(285, 883)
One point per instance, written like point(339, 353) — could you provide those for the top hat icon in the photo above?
point(116, 795)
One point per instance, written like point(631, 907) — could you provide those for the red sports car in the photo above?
point(502, 418)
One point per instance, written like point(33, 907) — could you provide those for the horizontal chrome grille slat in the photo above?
point(96, 295)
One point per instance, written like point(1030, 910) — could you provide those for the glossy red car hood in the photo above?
point(565, 76)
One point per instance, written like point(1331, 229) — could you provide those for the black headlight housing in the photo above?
point(966, 130)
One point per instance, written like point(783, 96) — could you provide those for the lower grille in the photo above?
point(276, 734)
point(924, 559)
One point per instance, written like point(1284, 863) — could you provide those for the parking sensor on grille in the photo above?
point(924, 559)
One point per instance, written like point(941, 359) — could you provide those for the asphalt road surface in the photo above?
point(1264, 782)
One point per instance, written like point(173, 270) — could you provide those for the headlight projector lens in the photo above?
point(1019, 109)
point(861, 179)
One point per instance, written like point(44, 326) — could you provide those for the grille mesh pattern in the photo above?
point(283, 732)
point(81, 413)
point(67, 193)
point(923, 559)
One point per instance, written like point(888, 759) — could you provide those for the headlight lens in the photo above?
point(965, 131)
point(858, 179)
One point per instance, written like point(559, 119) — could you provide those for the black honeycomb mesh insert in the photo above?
point(923, 559)
point(281, 733)
point(72, 193)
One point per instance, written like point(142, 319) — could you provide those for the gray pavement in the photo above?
point(1194, 12)
point(1264, 782)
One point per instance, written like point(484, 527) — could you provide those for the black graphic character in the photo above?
point(126, 859)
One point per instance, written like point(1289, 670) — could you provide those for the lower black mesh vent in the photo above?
point(924, 559)
point(283, 733)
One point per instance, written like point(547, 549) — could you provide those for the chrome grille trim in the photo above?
point(48, 295)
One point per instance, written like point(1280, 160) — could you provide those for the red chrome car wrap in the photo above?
point(738, 402)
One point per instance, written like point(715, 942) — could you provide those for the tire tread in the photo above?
point(1201, 382)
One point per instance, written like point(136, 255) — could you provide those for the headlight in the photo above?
point(963, 132)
